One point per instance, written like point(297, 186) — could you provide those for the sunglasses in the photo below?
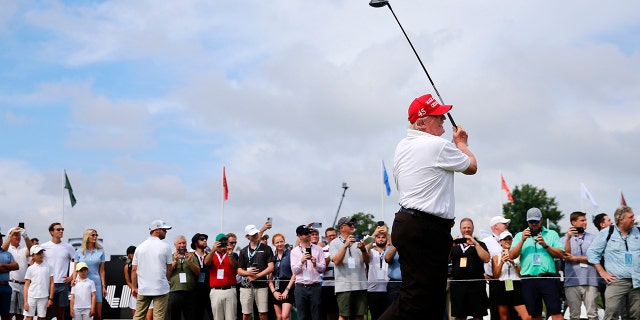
point(533, 221)
point(59, 229)
point(232, 242)
point(202, 239)
point(94, 234)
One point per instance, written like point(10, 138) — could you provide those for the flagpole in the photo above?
point(383, 189)
point(222, 201)
point(500, 192)
point(64, 174)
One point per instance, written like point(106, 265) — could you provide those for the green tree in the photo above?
point(526, 197)
point(364, 223)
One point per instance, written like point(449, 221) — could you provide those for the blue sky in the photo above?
point(144, 102)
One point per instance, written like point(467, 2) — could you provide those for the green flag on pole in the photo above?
point(67, 186)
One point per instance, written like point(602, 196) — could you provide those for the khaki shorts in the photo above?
point(352, 303)
point(261, 297)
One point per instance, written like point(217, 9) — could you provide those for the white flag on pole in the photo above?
point(587, 195)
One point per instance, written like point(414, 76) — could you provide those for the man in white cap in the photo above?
point(21, 255)
point(498, 224)
point(151, 271)
point(255, 263)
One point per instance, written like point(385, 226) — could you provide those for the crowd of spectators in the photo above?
point(530, 275)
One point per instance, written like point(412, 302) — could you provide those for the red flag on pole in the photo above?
point(506, 189)
point(623, 202)
point(224, 184)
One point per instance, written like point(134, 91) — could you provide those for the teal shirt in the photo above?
point(529, 250)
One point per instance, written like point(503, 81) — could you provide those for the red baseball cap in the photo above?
point(426, 106)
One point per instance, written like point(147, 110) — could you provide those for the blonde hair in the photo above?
point(85, 240)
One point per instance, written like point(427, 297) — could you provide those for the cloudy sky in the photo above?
point(143, 102)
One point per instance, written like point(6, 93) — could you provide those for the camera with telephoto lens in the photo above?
point(579, 229)
point(223, 244)
point(182, 251)
point(534, 233)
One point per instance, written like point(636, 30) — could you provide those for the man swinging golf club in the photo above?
point(423, 169)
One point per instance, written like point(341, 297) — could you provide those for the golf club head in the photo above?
point(378, 3)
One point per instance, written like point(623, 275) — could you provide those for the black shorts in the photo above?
point(501, 297)
point(469, 298)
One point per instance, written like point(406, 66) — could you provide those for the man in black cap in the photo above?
point(307, 264)
point(202, 303)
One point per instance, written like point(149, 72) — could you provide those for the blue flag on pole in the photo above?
point(385, 178)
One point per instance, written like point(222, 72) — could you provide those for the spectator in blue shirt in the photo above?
point(622, 271)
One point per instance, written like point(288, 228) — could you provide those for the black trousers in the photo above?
point(180, 304)
point(423, 243)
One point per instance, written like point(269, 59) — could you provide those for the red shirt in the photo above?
point(221, 261)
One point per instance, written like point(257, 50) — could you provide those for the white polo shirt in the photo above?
point(423, 171)
point(20, 256)
point(151, 258)
point(39, 275)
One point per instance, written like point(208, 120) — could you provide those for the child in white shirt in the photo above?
point(83, 294)
point(38, 287)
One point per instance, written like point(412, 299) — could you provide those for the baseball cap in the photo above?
point(426, 106)
point(221, 236)
point(344, 220)
point(534, 214)
point(251, 230)
point(302, 230)
point(158, 224)
point(35, 249)
point(81, 265)
point(505, 234)
point(498, 219)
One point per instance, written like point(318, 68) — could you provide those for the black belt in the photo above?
point(448, 223)
point(222, 288)
point(542, 275)
point(16, 281)
point(308, 285)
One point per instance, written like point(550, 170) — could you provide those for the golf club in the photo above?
point(382, 3)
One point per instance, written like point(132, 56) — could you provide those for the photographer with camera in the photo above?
point(538, 270)
point(580, 278)
point(184, 273)
point(223, 266)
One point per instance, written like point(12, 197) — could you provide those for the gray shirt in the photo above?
point(348, 279)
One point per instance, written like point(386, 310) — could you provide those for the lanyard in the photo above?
point(220, 259)
point(343, 241)
point(249, 254)
point(580, 240)
point(624, 239)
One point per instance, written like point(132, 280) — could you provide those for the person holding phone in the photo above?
point(16, 277)
point(507, 291)
point(468, 289)
point(536, 247)
point(307, 266)
point(185, 271)
point(580, 277)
